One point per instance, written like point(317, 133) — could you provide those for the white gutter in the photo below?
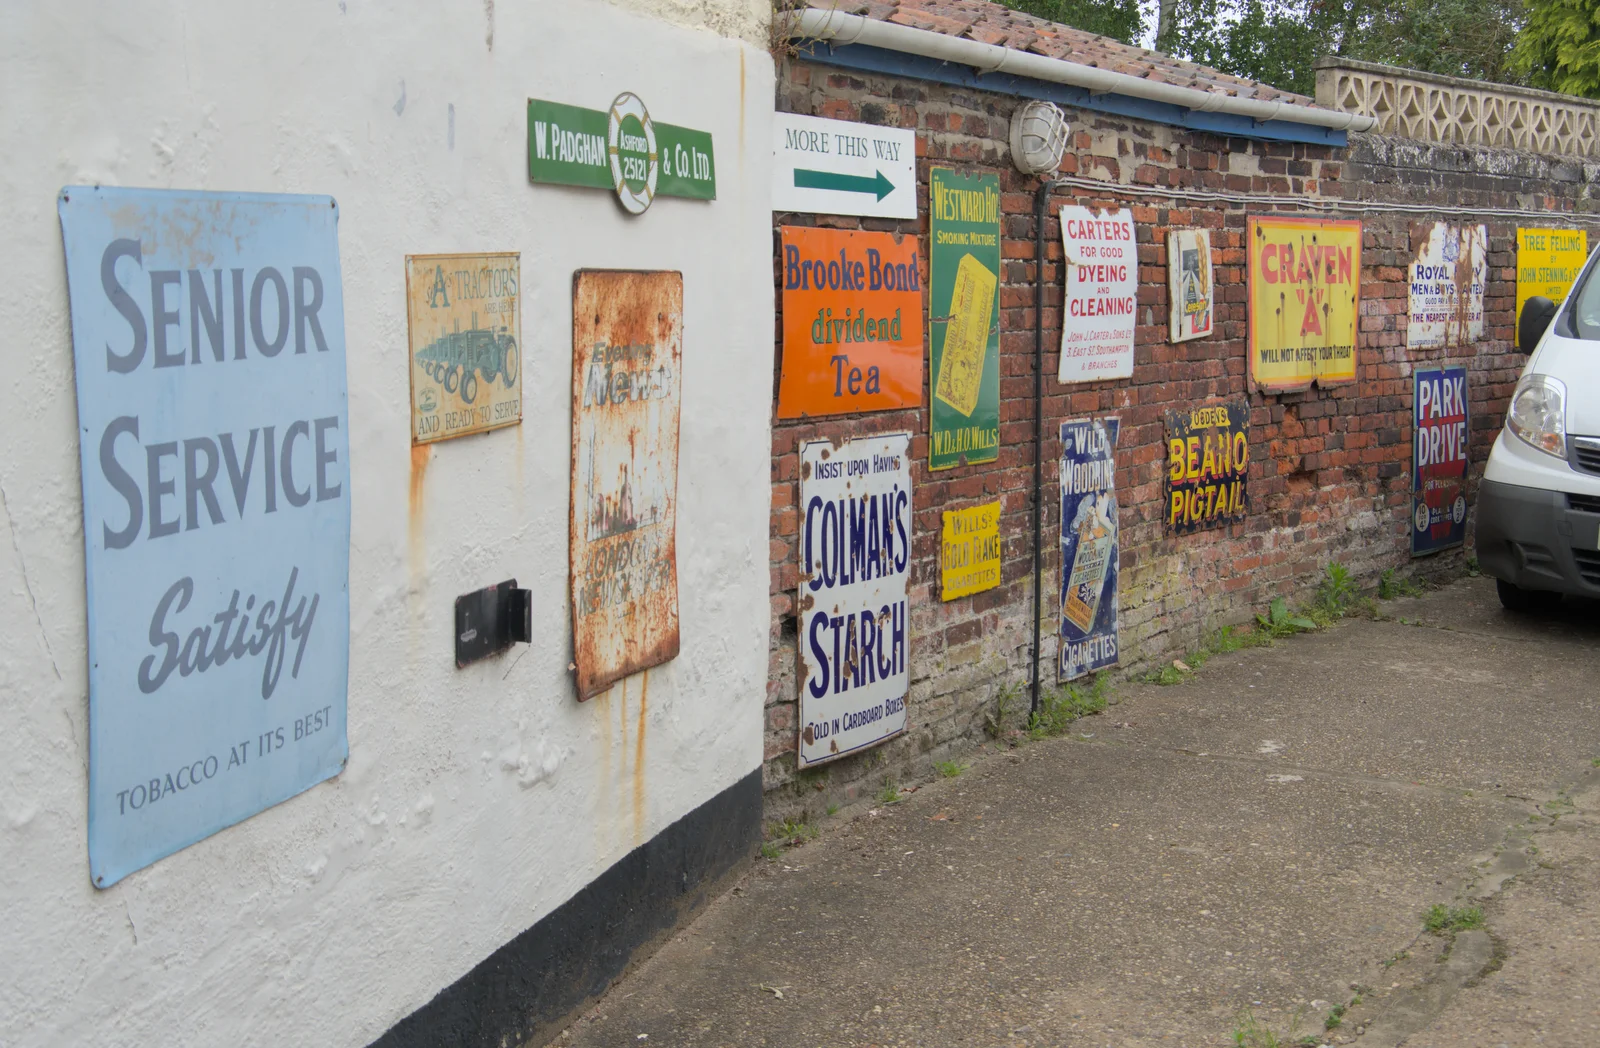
point(837, 27)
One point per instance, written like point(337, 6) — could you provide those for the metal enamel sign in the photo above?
point(1305, 301)
point(1100, 259)
point(1189, 288)
point(1446, 281)
point(964, 318)
point(627, 347)
point(208, 340)
point(836, 167)
point(622, 149)
point(1439, 459)
point(464, 319)
point(1208, 466)
point(855, 560)
point(1090, 547)
point(969, 551)
point(852, 322)
point(1548, 261)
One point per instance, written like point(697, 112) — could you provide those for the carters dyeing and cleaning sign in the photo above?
point(1548, 261)
point(855, 560)
point(1446, 281)
point(835, 167)
point(621, 149)
point(1305, 298)
point(1439, 443)
point(1189, 289)
point(466, 344)
point(627, 350)
point(969, 550)
point(208, 340)
point(852, 322)
point(964, 318)
point(1208, 466)
point(1089, 546)
point(1101, 261)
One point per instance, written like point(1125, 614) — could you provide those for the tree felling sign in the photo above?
point(464, 318)
point(622, 149)
point(1305, 298)
point(1089, 546)
point(855, 560)
point(969, 550)
point(1439, 459)
point(1548, 261)
point(208, 340)
point(852, 322)
point(627, 347)
point(1190, 292)
point(1100, 258)
point(1445, 284)
point(964, 322)
point(837, 167)
point(1208, 466)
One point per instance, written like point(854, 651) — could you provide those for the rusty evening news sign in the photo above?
point(627, 343)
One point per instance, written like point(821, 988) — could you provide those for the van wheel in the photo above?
point(1515, 598)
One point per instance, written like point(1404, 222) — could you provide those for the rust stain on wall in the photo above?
point(627, 334)
point(638, 761)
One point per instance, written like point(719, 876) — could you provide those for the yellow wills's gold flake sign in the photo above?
point(466, 344)
point(969, 558)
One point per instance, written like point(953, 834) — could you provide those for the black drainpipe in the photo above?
point(1040, 197)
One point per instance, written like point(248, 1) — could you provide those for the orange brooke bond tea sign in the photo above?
point(1305, 297)
point(852, 322)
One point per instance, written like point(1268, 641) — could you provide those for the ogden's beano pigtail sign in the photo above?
point(855, 560)
point(1208, 466)
point(208, 339)
point(1305, 301)
point(627, 347)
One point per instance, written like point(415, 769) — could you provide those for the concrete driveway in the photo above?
point(1238, 854)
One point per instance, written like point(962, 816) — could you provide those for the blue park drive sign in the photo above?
point(208, 337)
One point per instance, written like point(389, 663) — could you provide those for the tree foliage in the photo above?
point(1118, 19)
point(1279, 41)
point(1559, 48)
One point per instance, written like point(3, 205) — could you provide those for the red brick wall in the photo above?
point(1330, 473)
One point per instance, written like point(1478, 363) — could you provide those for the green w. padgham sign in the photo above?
point(620, 149)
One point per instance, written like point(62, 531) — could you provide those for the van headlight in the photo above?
point(1538, 414)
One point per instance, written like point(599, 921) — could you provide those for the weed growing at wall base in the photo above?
point(1061, 705)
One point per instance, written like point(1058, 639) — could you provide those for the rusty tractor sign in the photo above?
point(466, 358)
point(627, 342)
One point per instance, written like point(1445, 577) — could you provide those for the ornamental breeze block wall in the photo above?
point(1330, 470)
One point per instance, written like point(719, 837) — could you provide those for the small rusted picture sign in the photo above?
point(627, 340)
point(464, 316)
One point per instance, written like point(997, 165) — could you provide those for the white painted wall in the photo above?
point(475, 801)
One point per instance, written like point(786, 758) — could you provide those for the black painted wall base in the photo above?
point(574, 953)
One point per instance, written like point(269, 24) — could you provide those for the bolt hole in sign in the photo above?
point(208, 342)
point(1102, 294)
point(852, 322)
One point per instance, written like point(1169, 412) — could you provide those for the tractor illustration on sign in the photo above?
point(456, 358)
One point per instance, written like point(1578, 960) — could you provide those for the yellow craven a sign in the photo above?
point(1548, 261)
point(969, 557)
point(1305, 298)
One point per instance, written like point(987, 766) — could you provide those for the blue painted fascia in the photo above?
point(867, 59)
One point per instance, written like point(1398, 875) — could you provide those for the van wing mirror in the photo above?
point(1537, 313)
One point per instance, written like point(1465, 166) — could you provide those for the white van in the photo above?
point(1538, 529)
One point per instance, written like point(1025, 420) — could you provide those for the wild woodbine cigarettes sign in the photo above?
point(208, 339)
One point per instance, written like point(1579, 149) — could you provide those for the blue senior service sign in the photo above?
point(208, 337)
